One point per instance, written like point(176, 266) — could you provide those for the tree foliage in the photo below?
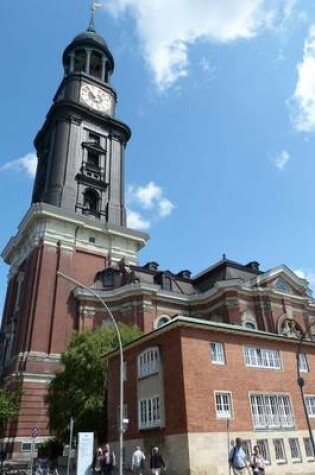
point(79, 390)
point(9, 405)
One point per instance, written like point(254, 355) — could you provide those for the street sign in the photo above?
point(35, 432)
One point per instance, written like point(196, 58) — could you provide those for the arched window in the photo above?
point(161, 320)
point(79, 60)
point(96, 65)
point(250, 325)
point(91, 201)
point(248, 319)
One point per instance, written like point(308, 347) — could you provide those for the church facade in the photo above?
point(218, 355)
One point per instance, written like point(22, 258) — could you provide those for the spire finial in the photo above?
point(94, 6)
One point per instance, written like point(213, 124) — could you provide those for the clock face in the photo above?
point(96, 98)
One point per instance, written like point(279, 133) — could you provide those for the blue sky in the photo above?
point(220, 97)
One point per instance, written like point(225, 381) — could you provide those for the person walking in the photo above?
point(257, 462)
point(157, 463)
point(237, 459)
point(97, 461)
point(109, 460)
point(137, 461)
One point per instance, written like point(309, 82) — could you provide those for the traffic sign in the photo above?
point(35, 432)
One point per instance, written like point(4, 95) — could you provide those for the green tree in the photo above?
point(9, 405)
point(79, 390)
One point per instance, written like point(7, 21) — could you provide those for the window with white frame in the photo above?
point(264, 449)
point(271, 411)
point(262, 358)
point(308, 447)
point(295, 449)
point(310, 405)
point(27, 446)
point(279, 450)
point(217, 353)
point(124, 415)
point(247, 447)
point(148, 362)
point(303, 365)
point(149, 412)
point(223, 405)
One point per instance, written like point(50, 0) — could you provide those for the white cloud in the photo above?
point(26, 164)
point(149, 198)
point(309, 275)
point(145, 195)
point(303, 100)
point(281, 159)
point(166, 28)
point(165, 207)
point(136, 221)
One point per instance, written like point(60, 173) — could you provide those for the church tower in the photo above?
point(76, 224)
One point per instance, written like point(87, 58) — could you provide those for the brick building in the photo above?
point(77, 225)
point(225, 367)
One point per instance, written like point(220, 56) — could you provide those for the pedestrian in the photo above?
point(157, 463)
point(237, 458)
point(97, 461)
point(137, 462)
point(257, 462)
point(109, 460)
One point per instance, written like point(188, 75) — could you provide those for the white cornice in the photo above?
point(297, 282)
point(55, 226)
point(140, 289)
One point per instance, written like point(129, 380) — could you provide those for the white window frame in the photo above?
point(310, 405)
point(217, 353)
point(271, 411)
point(295, 449)
point(308, 448)
point(148, 362)
point(149, 412)
point(303, 363)
point(264, 450)
point(247, 447)
point(279, 450)
point(262, 358)
point(223, 404)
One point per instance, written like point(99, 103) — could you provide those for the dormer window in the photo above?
point(108, 278)
point(164, 279)
point(167, 283)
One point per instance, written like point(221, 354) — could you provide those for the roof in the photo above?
point(182, 321)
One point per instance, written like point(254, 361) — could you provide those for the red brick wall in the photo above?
point(190, 381)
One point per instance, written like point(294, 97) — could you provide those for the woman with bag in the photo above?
point(257, 462)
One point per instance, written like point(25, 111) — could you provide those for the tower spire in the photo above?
point(93, 7)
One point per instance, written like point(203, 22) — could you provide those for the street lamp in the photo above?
point(300, 382)
point(121, 374)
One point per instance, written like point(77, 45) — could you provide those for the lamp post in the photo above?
point(300, 382)
point(121, 373)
